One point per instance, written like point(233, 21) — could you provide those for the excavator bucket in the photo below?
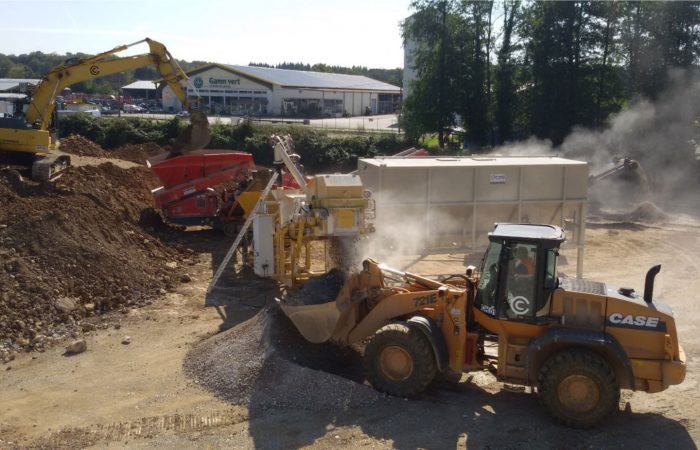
point(195, 137)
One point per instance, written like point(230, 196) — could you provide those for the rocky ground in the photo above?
point(240, 376)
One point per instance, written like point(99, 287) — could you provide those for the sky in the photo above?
point(345, 33)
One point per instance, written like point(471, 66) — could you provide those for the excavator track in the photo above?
point(49, 167)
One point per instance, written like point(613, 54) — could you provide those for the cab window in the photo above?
point(488, 282)
point(520, 292)
point(550, 283)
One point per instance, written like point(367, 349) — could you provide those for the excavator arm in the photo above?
point(44, 96)
point(30, 134)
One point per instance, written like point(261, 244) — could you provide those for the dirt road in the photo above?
point(137, 396)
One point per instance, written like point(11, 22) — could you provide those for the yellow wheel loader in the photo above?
point(27, 130)
point(578, 342)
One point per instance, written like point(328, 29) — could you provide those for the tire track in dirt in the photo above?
point(144, 427)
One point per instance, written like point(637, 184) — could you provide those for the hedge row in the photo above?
point(318, 150)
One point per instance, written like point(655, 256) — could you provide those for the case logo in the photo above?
point(622, 320)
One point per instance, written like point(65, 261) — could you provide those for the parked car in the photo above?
point(133, 109)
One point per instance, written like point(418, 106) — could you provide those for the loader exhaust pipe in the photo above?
point(649, 283)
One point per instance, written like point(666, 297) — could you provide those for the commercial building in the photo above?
point(249, 90)
point(13, 90)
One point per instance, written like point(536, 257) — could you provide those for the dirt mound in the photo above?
point(78, 145)
point(265, 363)
point(74, 248)
point(138, 153)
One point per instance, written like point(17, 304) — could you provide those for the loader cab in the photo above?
point(519, 272)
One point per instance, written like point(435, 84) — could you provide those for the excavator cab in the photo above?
point(519, 272)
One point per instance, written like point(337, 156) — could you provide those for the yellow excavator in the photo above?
point(27, 130)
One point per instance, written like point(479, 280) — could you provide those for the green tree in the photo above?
point(19, 71)
point(555, 35)
point(431, 104)
point(505, 88)
point(473, 77)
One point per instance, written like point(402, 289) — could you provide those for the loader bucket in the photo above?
point(196, 136)
point(316, 323)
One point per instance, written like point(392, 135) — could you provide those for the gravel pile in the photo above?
point(264, 363)
point(647, 212)
point(322, 289)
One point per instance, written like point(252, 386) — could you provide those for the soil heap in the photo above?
point(75, 144)
point(76, 247)
point(138, 153)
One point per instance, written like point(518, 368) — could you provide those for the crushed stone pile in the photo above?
point(78, 145)
point(644, 213)
point(647, 212)
point(264, 363)
point(321, 289)
point(74, 249)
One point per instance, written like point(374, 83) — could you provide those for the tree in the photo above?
point(473, 80)
point(505, 89)
point(555, 35)
point(430, 106)
point(19, 71)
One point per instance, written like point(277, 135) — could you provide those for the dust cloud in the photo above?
point(663, 136)
point(403, 230)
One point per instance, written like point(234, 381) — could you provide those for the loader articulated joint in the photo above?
point(556, 339)
point(432, 332)
point(649, 283)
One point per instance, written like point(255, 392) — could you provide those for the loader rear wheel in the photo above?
point(578, 388)
point(399, 360)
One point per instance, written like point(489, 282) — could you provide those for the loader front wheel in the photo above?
point(578, 388)
point(399, 360)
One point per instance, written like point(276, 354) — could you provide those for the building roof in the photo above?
point(304, 79)
point(4, 96)
point(8, 84)
point(141, 84)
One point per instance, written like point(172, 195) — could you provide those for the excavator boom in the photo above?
point(27, 132)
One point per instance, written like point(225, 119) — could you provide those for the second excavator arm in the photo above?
point(44, 96)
